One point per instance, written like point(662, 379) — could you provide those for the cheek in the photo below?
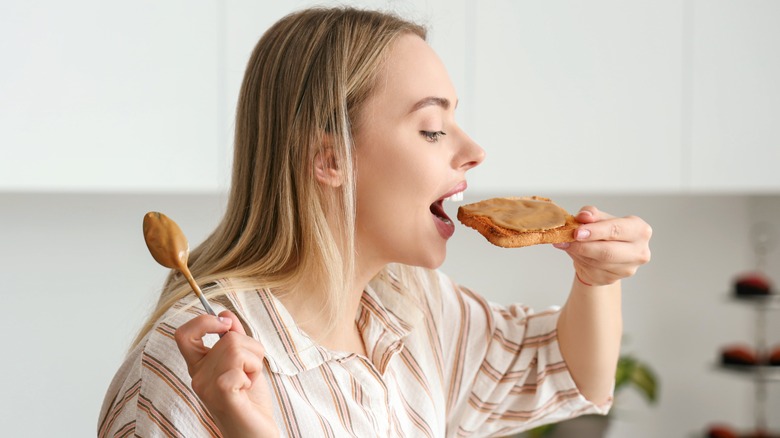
point(389, 174)
point(402, 173)
point(391, 198)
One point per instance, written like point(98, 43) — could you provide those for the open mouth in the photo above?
point(443, 222)
point(437, 208)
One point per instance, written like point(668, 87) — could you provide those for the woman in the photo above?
point(334, 321)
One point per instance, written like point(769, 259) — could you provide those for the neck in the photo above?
point(335, 332)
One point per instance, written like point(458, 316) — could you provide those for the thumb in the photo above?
point(235, 323)
point(587, 215)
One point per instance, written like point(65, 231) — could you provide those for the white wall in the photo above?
point(77, 282)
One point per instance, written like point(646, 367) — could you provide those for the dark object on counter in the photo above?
point(739, 355)
point(721, 431)
point(774, 357)
point(753, 284)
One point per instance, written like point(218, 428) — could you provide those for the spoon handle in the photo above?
point(186, 272)
point(198, 292)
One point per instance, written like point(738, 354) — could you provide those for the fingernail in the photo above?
point(563, 245)
point(223, 320)
point(587, 212)
point(583, 234)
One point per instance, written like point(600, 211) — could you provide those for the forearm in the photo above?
point(589, 332)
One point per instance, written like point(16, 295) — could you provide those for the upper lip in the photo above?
point(461, 186)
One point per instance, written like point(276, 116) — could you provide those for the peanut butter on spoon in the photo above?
point(169, 248)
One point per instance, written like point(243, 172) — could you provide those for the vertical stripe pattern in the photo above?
point(465, 367)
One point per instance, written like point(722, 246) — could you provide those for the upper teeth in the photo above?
point(456, 197)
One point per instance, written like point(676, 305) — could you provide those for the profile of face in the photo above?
point(410, 154)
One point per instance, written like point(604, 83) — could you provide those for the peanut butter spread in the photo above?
point(519, 214)
point(165, 241)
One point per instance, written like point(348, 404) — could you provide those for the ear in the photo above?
point(326, 169)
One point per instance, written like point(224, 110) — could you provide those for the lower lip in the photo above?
point(446, 229)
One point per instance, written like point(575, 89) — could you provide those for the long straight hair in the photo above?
point(307, 78)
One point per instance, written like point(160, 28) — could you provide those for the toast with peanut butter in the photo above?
point(513, 222)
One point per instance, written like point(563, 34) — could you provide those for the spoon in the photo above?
point(169, 248)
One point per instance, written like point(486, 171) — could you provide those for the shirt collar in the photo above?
point(384, 318)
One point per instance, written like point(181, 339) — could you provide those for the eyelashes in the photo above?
point(432, 136)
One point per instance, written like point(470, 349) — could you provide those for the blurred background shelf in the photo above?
point(761, 373)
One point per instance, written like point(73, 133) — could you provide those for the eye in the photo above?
point(432, 136)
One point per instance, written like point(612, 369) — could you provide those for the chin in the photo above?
point(433, 260)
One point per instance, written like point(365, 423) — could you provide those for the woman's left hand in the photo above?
point(608, 248)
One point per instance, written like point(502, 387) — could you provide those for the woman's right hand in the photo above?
point(228, 377)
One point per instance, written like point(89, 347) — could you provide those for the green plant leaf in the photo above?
point(645, 381)
point(541, 431)
point(632, 372)
point(625, 367)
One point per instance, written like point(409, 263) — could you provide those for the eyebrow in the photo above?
point(431, 100)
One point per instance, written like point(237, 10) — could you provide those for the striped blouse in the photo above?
point(456, 366)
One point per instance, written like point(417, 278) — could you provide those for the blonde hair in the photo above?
point(306, 79)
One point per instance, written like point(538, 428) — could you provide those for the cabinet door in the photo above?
point(576, 96)
point(109, 96)
point(735, 134)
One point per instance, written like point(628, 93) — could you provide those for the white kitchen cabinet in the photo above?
point(576, 97)
point(110, 96)
point(565, 96)
point(735, 95)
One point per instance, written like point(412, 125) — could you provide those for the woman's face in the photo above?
point(410, 155)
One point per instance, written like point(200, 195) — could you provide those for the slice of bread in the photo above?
point(511, 238)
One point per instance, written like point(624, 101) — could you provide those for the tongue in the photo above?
point(438, 210)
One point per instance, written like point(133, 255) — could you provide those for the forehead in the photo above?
point(412, 72)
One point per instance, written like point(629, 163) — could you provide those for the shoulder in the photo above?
point(151, 392)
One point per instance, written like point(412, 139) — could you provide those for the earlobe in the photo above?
point(326, 169)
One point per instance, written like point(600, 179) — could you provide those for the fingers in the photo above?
point(590, 214)
point(236, 325)
point(231, 381)
point(607, 248)
point(237, 350)
point(234, 363)
point(189, 337)
point(611, 253)
point(625, 229)
point(615, 257)
point(229, 378)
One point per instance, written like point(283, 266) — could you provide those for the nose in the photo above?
point(469, 153)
